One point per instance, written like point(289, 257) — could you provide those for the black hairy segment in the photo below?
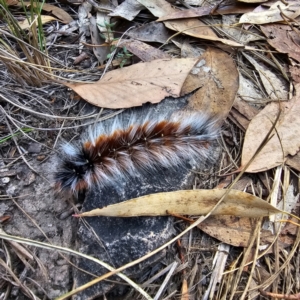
point(129, 147)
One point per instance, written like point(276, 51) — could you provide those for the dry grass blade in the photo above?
point(237, 277)
point(24, 74)
point(14, 278)
point(218, 269)
point(65, 250)
point(166, 281)
point(232, 280)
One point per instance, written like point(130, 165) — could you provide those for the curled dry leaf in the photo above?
point(217, 83)
point(55, 10)
point(285, 141)
point(137, 84)
point(190, 202)
point(45, 19)
point(192, 26)
point(272, 15)
point(128, 10)
point(223, 8)
point(11, 2)
point(197, 29)
point(253, 1)
point(233, 7)
point(231, 230)
point(158, 8)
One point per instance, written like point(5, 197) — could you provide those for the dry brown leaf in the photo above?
point(187, 13)
point(273, 14)
point(283, 39)
point(231, 230)
point(196, 28)
point(237, 231)
point(222, 9)
point(253, 1)
point(192, 27)
point(142, 50)
point(137, 84)
point(217, 83)
point(100, 52)
point(245, 109)
point(128, 10)
point(45, 19)
point(11, 2)
point(243, 113)
point(150, 32)
point(238, 119)
point(56, 11)
point(284, 143)
point(190, 202)
point(233, 7)
point(158, 8)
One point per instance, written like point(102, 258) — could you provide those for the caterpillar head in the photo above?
point(73, 171)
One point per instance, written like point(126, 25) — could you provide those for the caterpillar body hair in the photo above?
point(134, 145)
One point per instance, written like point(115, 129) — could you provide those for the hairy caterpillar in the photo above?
point(134, 145)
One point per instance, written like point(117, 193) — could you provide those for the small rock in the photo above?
point(41, 157)
point(2, 164)
point(30, 178)
point(11, 190)
point(5, 180)
point(34, 148)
